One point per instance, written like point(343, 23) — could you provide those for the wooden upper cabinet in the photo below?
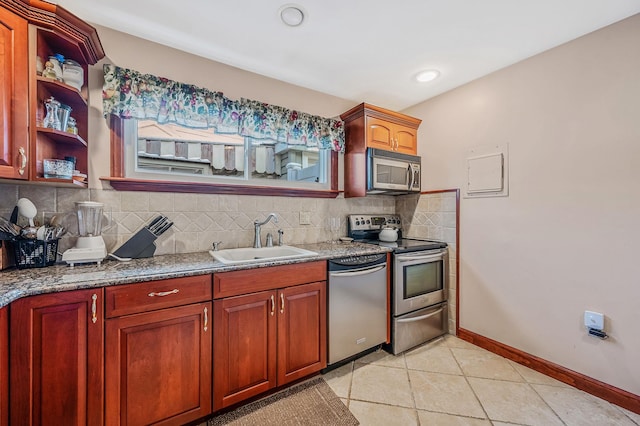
point(31, 29)
point(14, 83)
point(383, 134)
point(368, 126)
point(57, 356)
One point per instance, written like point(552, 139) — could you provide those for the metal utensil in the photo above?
point(163, 228)
point(8, 227)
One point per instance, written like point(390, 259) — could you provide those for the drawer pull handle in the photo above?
point(282, 303)
point(163, 293)
point(94, 308)
point(206, 319)
point(273, 305)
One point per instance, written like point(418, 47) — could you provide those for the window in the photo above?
point(170, 151)
point(192, 139)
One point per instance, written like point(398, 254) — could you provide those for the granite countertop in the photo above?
point(18, 283)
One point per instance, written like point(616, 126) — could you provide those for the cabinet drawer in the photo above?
point(152, 295)
point(234, 283)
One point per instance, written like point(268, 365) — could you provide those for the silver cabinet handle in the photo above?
point(94, 308)
point(163, 293)
point(421, 317)
point(23, 162)
point(273, 305)
point(358, 272)
point(206, 319)
point(282, 303)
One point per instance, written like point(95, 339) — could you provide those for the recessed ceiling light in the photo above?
point(428, 75)
point(292, 15)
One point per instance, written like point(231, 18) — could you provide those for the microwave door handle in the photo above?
point(410, 180)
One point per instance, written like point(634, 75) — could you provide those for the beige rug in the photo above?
point(309, 403)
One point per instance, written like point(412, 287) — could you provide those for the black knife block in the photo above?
point(140, 245)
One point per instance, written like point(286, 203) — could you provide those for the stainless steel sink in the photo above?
point(262, 254)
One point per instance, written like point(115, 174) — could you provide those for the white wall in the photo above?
point(565, 239)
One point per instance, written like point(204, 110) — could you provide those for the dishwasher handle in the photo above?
point(357, 272)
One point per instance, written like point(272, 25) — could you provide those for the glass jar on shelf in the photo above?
point(52, 119)
point(72, 126)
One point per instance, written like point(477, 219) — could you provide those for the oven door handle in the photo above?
point(421, 317)
point(409, 258)
point(355, 273)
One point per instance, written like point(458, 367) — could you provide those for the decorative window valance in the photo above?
point(130, 94)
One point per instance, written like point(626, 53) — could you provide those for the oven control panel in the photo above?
point(367, 222)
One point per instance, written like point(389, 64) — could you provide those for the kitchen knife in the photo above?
point(158, 224)
point(154, 221)
point(161, 231)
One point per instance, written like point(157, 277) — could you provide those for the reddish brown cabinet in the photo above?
point(369, 126)
point(4, 366)
point(14, 84)
point(272, 333)
point(30, 29)
point(57, 358)
point(158, 352)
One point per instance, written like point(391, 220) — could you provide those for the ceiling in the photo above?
point(361, 50)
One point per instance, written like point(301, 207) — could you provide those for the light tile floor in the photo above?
point(451, 382)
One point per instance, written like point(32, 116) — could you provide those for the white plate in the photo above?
point(346, 239)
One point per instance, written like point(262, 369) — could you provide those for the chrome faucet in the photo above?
point(257, 224)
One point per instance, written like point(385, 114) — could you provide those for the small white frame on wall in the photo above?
point(487, 171)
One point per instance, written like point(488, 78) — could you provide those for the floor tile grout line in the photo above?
point(466, 379)
point(546, 403)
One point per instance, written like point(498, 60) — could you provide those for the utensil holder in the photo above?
point(35, 253)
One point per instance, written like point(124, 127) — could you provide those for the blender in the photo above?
point(90, 246)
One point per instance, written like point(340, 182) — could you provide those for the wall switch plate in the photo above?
point(305, 218)
point(593, 320)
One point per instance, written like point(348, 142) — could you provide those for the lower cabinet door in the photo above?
point(56, 359)
point(4, 366)
point(245, 347)
point(302, 331)
point(158, 366)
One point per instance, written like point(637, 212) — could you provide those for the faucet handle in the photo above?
point(216, 244)
point(269, 240)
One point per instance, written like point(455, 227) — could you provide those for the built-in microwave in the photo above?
point(391, 172)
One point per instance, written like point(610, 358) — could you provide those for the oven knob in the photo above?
point(368, 221)
point(357, 222)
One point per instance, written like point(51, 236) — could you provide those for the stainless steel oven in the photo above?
point(420, 286)
point(420, 281)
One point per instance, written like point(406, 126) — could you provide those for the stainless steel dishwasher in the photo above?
point(358, 317)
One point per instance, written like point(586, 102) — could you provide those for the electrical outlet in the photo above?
point(594, 320)
point(305, 218)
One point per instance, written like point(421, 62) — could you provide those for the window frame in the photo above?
point(120, 182)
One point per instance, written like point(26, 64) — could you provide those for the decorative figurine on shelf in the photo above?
point(48, 71)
